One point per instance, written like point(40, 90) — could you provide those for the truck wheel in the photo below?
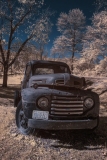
point(22, 121)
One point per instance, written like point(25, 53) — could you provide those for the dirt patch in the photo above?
point(13, 79)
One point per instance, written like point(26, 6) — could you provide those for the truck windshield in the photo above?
point(49, 69)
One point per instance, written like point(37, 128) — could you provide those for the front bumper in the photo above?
point(63, 124)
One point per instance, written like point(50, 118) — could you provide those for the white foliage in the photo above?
point(22, 1)
point(41, 30)
point(61, 45)
point(67, 23)
point(101, 5)
point(18, 17)
point(23, 19)
point(95, 43)
point(31, 1)
point(97, 33)
point(101, 68)
point(90, 52)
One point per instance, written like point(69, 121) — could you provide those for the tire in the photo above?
point(22, 121)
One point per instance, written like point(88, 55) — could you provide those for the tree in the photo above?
point(89, 54)
point(101, 5)
point(101, 68)
point(28, 53)
point(72, 28)
point(95, 44)
point(42, 30)
point(60, 46)
point(18, 21)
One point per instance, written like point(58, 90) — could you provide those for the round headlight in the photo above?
point(43, 103)
point(89, 102)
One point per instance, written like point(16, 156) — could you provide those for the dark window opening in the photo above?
point(40, 69)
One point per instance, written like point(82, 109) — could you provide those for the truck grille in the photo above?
point(66, 105)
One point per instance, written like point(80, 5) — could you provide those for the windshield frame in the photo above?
point(51, 66)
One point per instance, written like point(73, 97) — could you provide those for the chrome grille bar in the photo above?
point(67, 102)
point(65, 98)
point(63, 105)
point(67, 109)
point(62, 113)
point(66, 105)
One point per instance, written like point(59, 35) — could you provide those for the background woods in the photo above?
point(25, 30)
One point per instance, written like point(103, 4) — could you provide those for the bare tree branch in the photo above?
point(22, 18)
point(20, 49)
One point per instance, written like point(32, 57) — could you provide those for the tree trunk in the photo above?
point(72, 68)
point(5, 75)
point(2, 68)
point(40, 56)
point(11, 70)
point(41, 53)
point(73, 52)
point(72, 60)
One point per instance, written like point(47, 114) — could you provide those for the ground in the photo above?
point(44, 145)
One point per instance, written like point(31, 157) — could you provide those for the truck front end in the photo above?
point(59, 108)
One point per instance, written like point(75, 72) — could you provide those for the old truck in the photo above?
point(51, 98)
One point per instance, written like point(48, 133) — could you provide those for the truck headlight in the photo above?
point(43, 103)
point(89, 102)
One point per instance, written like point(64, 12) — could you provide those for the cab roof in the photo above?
point(32, 62)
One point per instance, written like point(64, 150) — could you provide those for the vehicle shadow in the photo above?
point(7, 95)
point(8, 92)
point(78, 139)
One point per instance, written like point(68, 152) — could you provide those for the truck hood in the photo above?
point(62, 79)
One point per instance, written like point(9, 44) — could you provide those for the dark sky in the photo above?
point(87, 6)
